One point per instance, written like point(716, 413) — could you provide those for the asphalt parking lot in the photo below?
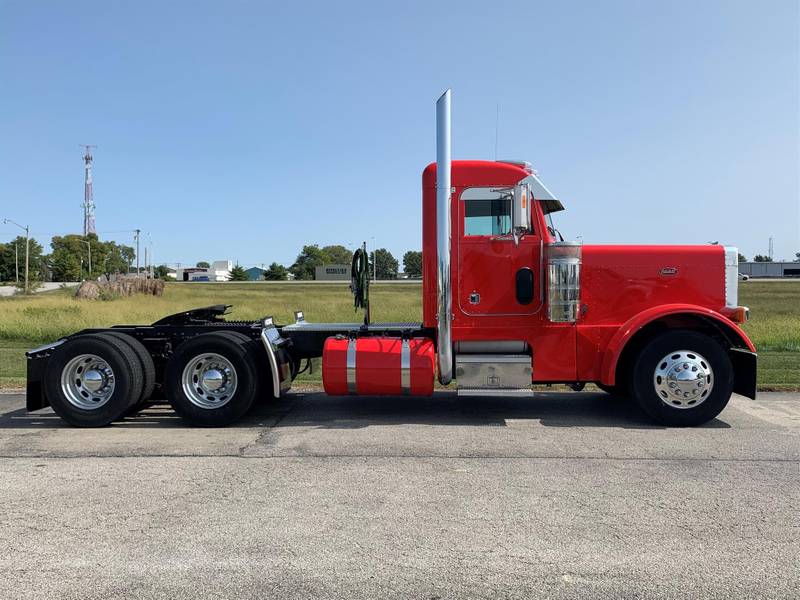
point(564, 495)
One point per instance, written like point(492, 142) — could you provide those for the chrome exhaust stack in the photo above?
point(444, 296)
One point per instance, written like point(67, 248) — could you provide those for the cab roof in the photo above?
point(473, 173)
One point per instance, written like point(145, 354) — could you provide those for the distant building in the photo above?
point(332, 273)
point(255, 273)
point(220, 270)
point(770, 269)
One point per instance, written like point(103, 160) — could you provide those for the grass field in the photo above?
point(27, 322)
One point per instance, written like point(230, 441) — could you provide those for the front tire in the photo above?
point(212, 379)
point(682, 378)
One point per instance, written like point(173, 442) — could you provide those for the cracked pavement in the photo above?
point(564, 495)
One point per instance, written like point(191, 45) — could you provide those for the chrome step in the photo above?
point(495, 392)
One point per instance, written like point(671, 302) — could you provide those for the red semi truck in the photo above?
point(506, 304)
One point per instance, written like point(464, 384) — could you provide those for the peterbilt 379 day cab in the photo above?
point(505, 305)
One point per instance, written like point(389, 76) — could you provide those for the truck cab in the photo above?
point(579, 313)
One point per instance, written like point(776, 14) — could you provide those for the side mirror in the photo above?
point(521, 213)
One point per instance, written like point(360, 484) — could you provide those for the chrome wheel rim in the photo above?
point(209, 380)
point(87, 382)
point(683, 379)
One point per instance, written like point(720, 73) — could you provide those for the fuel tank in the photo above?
point(378, 366)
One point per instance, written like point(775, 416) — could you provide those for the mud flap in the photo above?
point(744, 372)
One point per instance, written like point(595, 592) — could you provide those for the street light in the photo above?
point(26, 229)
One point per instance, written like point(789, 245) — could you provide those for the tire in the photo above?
point(145, 361)
point(78, 363)
point(202, 372)
point(264, 379)
point(682, 378)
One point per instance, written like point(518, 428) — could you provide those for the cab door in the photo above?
point(496, 275)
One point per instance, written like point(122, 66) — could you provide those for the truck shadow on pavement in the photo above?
point(316, 409)
point(551, 409)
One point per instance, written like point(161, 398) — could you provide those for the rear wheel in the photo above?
point(145, 361)
point(212, 379)
point(682, 378)
point(92, 380)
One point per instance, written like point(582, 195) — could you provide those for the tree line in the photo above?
point(71, 258)
point(381, 262)
point(312, 256)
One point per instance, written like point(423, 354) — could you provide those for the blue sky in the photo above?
point(242, 130)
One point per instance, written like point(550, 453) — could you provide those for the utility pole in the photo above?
point(150, 254)
point(89, 246)
point(770, 248)
point(27, 231)
point(137, 231)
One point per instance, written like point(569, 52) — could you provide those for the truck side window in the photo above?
point(487, 212)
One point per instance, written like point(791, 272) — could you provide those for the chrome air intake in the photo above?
point(444, 297)
point(731, 276)
point(564, 281)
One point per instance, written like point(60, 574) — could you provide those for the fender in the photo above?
point(623, 335)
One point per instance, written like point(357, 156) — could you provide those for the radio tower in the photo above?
point(88, 199)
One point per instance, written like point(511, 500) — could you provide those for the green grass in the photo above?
point(12, 364)
point(29, 321)
point(46, 317)
point(774, 324)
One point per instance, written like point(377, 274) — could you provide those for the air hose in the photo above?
point(359, 281)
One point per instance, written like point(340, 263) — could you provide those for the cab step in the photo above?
point(495, 392)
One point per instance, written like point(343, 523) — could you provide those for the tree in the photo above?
point(117, 258)
point(276, 272)
point(337, 255)
point(161, 272)
point(386, 264)
point(762, 258)
point(14, 251)
point(65, 266)
point(72, 255)
point(238, 274)
point(203, 265)
point(412, 263)
point(742, 258)
point(797, 257)
point(308, 260)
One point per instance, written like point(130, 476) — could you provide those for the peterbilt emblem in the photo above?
point(667, 271)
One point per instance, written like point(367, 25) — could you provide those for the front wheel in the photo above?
point(682, 378)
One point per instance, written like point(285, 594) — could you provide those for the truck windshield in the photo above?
point(552, 228)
